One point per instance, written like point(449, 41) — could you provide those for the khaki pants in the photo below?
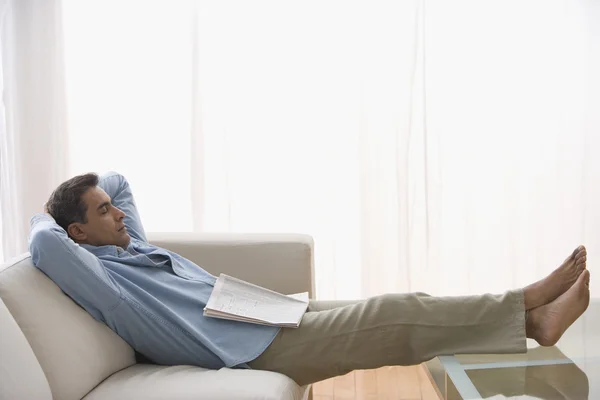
point(335, 338)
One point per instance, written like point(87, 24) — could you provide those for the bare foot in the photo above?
point(547, 324)
point(558, 282)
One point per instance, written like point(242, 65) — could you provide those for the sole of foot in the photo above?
point(547, 324)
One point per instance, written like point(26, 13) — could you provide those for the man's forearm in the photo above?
point(75, 270)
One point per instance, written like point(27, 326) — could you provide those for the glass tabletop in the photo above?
point(569, 370)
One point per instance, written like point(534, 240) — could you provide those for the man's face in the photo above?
point(104, 222)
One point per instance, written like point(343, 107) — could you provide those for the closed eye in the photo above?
point(103, 208)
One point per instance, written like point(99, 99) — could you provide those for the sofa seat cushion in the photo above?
point(154, 382)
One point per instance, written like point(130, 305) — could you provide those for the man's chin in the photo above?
point(124, 240)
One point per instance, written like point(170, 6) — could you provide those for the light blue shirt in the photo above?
point(151, 297)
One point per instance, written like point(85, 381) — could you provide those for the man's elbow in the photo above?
point(120, 178)
point(115, 175)
point(41, 243)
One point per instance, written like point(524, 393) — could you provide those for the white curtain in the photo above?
point(446, 147)
point(33, 116)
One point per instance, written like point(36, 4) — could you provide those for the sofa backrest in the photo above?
point(74, 351)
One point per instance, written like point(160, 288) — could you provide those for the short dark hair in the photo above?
point(66, 205)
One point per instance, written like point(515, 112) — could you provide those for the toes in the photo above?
point(576, 253)
point(585, 276)
point(581, 250)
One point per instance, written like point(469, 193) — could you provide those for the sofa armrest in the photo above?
point(280, 262)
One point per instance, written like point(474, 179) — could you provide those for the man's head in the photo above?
point(85, 211)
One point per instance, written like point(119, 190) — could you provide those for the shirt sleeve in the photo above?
point(79, 273)
point(117, 187)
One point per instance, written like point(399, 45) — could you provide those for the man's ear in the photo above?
point(74, 230)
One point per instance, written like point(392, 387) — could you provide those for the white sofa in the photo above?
point(50, 348)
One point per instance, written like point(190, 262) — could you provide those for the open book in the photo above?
point(239, 300)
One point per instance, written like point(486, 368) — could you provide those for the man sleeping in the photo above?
point(90, 241)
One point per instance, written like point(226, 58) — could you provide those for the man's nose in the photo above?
point(120, 214)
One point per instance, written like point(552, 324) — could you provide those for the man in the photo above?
point(91, 243)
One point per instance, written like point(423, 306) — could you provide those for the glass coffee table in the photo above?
point(569, 370)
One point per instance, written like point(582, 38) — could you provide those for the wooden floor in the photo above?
point(404, 383)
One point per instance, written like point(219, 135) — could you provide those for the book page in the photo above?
point(237, 297)
point(300, 296)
